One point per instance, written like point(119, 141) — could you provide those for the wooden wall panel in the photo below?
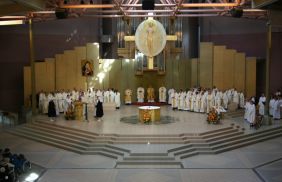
point(80, 55)
point(239, 71)
point(60, 69)
point(250, 76)
point(50, 73)
point(71, 71)
point(206, 64)
point(228, 74)
point(27, 86)
point(194, 72)
point(218, 66)
point(40, 77)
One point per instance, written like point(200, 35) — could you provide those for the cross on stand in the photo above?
point(150, 65)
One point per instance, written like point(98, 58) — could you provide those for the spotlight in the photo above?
point(148, 4)
point(81, 2)
point(236, 12)
point(91, 2)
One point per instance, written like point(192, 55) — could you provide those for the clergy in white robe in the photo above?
point(271, 106)
point(247, 110)
point(252, 113)
point(41, 101)
point(242, 100)
point(170, 92)
point(181, 100)
point(45, 104)
point(203, 103)
point(162, 94)
point(218, 99)
point(236, 98)
point(140, 94)
point(112, 96)
point(174, 100)
point(117, 99)
point(193, 101)
point(60, 101)
point(225, 100)
point(261, 104)
point(106, 96)
point(197, 102)
point(210, 102)
point(277, 108)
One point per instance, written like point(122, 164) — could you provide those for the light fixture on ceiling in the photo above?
point(11, 22)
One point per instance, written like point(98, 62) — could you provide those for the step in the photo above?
point(48, 142)
point(243, 136)
point(53, 135)
point(149, 154)
point(190, 154)
point(215, 131)
point(61, 133)
point(247, 138)
point(188, 150)
point(145, 158)
point(246, 143)
point(222, 133)
point(225, 136)
point(93, 149)
point(149, 164)
point(52, 140)
point(103, 153)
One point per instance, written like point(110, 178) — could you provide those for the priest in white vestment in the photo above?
point(117, 99)
point(210, 102)
point(252, 113)
point(174, 100)
point(181, 100)
point(112, 96)
point(271, 105)
point(106, 96)
point(225, 100)
point(261, 104)
point(247, 110)
point(197, 102)
point(203, 102)
point(140, 94)
point(162, 94)
point(170, 92)
point(277, 108)
point(242, 100)
point(236, 98)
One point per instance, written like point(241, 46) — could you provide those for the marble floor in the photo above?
point(254, 163)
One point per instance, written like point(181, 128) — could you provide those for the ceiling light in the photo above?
point(11, 22)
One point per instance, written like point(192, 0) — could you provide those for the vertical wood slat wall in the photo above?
point(224, 68)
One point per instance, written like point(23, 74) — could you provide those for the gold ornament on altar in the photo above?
point(150, 37)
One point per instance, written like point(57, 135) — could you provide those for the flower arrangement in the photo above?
point(146, 117)
point(70, 115)
point(213, 117)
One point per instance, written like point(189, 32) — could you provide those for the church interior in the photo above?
point(140, 90)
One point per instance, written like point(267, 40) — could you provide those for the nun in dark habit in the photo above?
point(99, 110)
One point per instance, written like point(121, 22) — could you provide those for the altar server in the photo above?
point(117, 99)
point(252, 113)
point(261, 104)
point(277, 108)
point(242, 100)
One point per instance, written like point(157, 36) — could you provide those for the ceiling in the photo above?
point(45, 9)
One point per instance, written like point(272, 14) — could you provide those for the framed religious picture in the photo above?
point(86, 68)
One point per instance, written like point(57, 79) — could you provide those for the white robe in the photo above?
point(261, 105)
point(174, 100)
point(236, 98)
point(210, 102)
point(247, 110)
point(225, 100)
point(170, 93)
point(242, 100)
point(162, 94)
point(276, 109)
point(271, 106)
point(181, 100)
point(203, 103)
point(117, 99)
point(252, 114)
point(197, 103)
point(140, 94)
point(112, 96)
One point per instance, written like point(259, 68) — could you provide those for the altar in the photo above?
point(153, 112)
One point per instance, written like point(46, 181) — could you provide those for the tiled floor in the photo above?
point(254, 163)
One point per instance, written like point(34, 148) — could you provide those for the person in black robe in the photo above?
point(99, 110)
point(52, 110)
